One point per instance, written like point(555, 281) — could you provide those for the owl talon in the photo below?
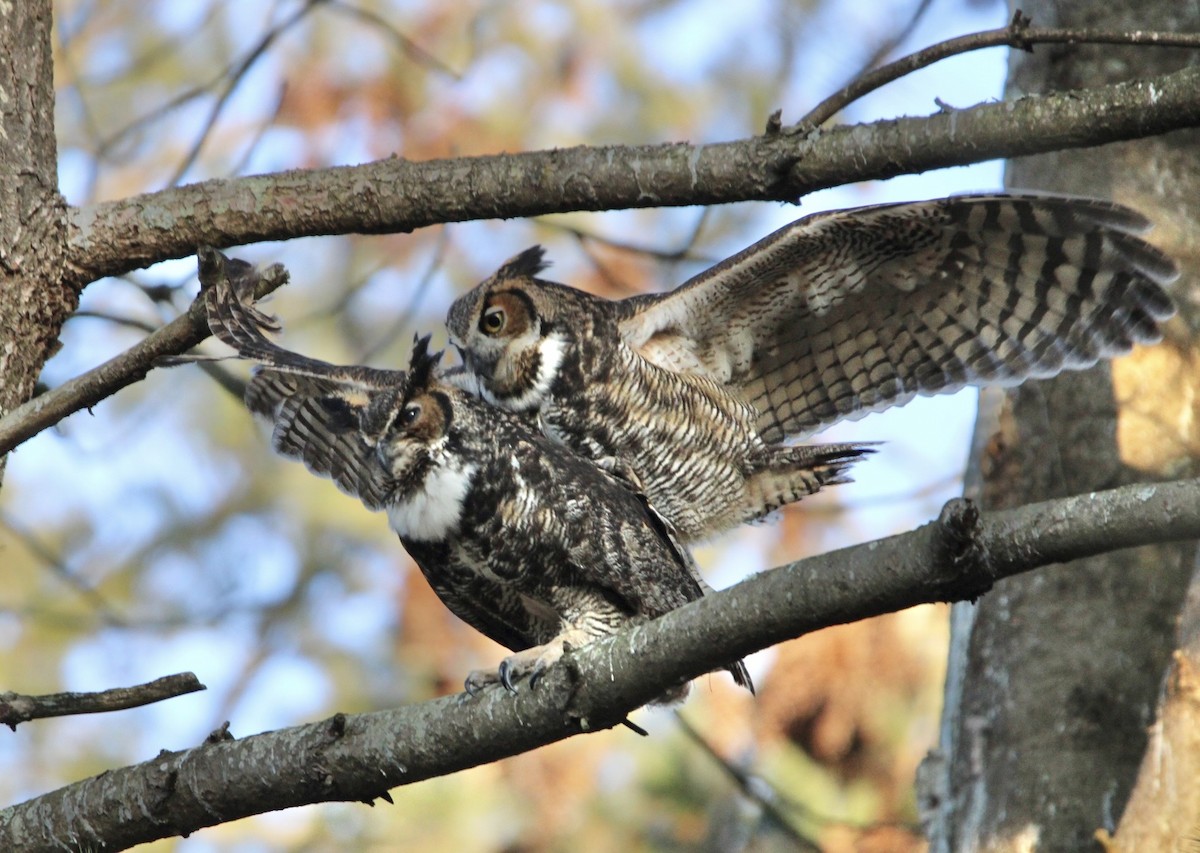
point(508, 674)
point(478, 680)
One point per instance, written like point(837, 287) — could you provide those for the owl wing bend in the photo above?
point(844, 313)
point(309, 403)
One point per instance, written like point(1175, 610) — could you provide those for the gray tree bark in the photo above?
point(1055, 677)
point(34, 298)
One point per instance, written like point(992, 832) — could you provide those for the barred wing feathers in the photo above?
point(307, 402)
point(844, 313)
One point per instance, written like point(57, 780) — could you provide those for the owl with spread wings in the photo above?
point(699, 394)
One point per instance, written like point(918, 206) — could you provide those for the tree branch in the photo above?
point(1018, 34)
point(358, 758)
point(16, 708)
point(86, 390)
point(397, 195)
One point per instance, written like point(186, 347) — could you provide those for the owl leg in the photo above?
point(535, 661)
point(532, 662)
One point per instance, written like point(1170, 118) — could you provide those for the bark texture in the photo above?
point(34, 298)
point(1056, 676)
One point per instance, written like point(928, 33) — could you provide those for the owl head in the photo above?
point(399, 440)
point(516, 332)
point(408, 424)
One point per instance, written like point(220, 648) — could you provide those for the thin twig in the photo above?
point(235, 78)
point(86, 390)
point(16, 708)
point(582, 235)
point(753, 787)
point(1018, 34)
point(144, 64)
point(261, 133)
point(43, 552)
point(750, 789)
point(91, 128)
point(406, 316)
point(407, 46)
point(116, 236)
point(885, 48)
point(221, 376)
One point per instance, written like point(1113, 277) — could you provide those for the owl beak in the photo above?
point(472, 361)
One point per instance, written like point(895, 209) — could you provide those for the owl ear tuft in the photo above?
point(421, 365)
point(525, 265)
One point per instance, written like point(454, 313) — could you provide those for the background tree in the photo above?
point(1058, 675)
point(157, 534)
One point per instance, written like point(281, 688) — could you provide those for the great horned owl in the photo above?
point(520, 537)
point(697, 390)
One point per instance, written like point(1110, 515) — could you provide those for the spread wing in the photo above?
point(310, 404)
point(844, 313)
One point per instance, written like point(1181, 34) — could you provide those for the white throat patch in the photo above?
point(552, 350)
point(433, 512)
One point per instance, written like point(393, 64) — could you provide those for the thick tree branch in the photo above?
point(16, 708)
point(86, 390)
point(360, 757)
point(399, 195)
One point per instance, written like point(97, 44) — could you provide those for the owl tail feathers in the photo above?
point(786, 474)
point(741, 675)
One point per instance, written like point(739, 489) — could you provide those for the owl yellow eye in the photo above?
point(409, 415)
point(493, 321)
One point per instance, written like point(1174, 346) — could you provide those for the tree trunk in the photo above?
point(35, 297)
point(1055, 676)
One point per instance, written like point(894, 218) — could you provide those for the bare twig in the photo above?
point(74, 85)
point(16, 708)
point(144, 64)
point(407, 46)
point(770, 798)
point(222, 377)
point(43, 552)
point(583, 236)
point(419, 291)
point(86, 390)
point(260, 133)
point(233, 79)
point(751, 788)
point(1018, 34)
point(885, 48)
point(360, 757)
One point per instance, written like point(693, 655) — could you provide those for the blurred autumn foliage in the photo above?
point(157, 533)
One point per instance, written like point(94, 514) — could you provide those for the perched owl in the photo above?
point(697, 391)
point(521, 538)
